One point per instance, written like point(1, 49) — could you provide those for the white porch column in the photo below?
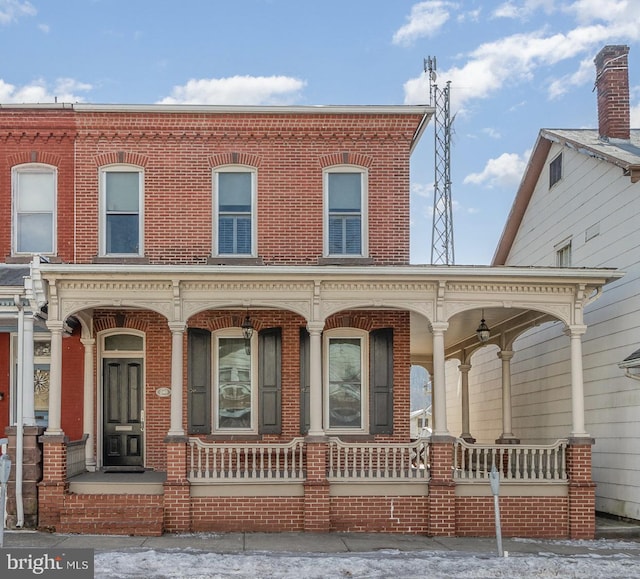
point(577, 384)
point(28, 410)
point(464, 375)
point(315, 378)
point(507, 435)
point(177, 335)
point(439, 407)
point(55, 380)
point(88, 421)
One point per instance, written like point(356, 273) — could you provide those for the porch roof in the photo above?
point(510, 299)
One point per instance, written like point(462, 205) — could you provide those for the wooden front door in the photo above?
point(123, 423)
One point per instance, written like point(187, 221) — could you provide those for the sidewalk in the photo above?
point(614, 537)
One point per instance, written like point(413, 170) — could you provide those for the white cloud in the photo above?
point(44, 28)
point(491, 132)
point(635, 116)
point(64, 90)
point(504, 171)
point(11, 10)
point(516, 58)
point(510, 9)
point(422, 189)
point(426, 19)
point(238, 90)
point(584, 74)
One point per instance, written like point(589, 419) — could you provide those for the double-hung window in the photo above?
point(234, 209)
point(235, 389)
point(345, 196)
point(34, 209)
point(346, 400)
point(121, 210)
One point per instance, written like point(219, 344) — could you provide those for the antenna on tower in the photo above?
point(442, 231)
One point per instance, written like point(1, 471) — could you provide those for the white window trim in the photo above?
point(103, 209)
point(560, 248)
point(363, 336)
point(234, 333)
point(15, 176)
point(364, 209)
point(254, 213)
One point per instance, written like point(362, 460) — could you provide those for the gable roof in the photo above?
point(622, 153)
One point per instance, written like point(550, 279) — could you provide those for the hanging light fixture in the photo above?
point(483, 331)
point(247, 328)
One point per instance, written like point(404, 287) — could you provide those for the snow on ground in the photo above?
point(191, 564)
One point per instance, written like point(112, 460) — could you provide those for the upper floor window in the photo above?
point(234, 208)
point(345, 191)
point(121, 212)
point(34, 209)
point(555, 170)
point(563, 254)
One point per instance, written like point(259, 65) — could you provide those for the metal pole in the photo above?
point(5, 470)
point(495, 489)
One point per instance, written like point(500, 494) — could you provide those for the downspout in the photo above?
point(19, 414)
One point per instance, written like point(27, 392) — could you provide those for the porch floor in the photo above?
point(148, 482)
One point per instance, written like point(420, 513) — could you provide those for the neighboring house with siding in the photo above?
point(578, 205)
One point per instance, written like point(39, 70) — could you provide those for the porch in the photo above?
point(330, 485)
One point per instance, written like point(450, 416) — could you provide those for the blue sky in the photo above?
point(515, 67)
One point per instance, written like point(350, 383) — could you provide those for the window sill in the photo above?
point(133, 260)
point(29, 259)
point(234, 261)
point(233, 437)
point(337, 260)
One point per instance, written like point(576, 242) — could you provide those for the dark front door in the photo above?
point(122, 419)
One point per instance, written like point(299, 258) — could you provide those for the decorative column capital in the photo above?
point(505, 355)
point(439, 327)
point(315, 327)
point(575, 330)
point(464, 368)
point(177, 327)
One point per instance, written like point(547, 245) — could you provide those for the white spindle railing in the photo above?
point(76, 456)
point(379, 462)
point(213, 462)
point(515, 463)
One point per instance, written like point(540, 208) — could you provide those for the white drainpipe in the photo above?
point(20, 415)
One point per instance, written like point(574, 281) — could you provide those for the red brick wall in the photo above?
point(5, 381)
point(234, 514)
point(385, 514)
point(45, 136)
point(72, 386)
point(541, 517)
point(178, 152)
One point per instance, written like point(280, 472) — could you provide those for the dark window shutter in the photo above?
point(270, 380)
point(199, 381)
point(305, 381)
point(381, 381)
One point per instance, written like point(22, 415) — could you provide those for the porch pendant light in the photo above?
point(247, 328)
point(483, 331)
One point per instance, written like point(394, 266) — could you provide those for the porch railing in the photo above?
point(378, 462)
point(245, 462)
point(76, 456)
point(516, 463)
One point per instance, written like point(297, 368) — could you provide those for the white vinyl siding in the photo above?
point(590, 191)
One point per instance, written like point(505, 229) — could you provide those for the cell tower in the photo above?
point(442, 232)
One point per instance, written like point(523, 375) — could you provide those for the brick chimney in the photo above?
point(612, 82)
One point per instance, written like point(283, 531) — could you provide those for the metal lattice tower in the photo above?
point(442, 232)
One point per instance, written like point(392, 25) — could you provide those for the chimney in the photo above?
point(612, 82)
